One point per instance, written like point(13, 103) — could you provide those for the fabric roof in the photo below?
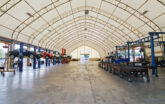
point(56, 24)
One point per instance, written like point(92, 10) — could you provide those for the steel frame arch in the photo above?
point(98, 30)
point(92, 40)
point(80, 36)
point(100, 54)
point(123, 41)
point(78, 43)
point(96, 8)
point(104, 21)
point(81, 33)
point(100, 51)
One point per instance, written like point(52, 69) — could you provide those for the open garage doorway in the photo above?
point(84, 58)
point(85, 54)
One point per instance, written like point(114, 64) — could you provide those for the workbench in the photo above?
point(130, 71)
point(127, 71)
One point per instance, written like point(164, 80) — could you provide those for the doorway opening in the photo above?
point(84, 58)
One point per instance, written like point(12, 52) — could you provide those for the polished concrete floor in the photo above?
point(76, 83)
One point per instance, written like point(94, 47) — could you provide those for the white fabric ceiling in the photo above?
point(56, 24)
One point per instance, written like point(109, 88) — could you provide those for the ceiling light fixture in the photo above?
point(145, 12)
point(29, 14)
point(86, 12)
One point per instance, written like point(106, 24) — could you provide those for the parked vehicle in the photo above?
point(48, 55)
point(65, 59)
point(30, 54)
point(57, 57)
point(14, 53)
point(38, 55)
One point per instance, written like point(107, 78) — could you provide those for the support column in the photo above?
point(59, 58)
point(128, 45)
point(34, 59)
point(28, 59)
point(116, 52)
point(49, 59)
point(21, 58)
point(39, 61)
point(46, 60)
point(144, 54)
point(163, 50)
point(152, 53)
point(54, 59)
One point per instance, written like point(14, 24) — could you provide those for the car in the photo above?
point(28, 53)
point(57, 57)
point(14, 53)
point(66, 59)
point(31, 54)
point(38, 55)
point(47, 55)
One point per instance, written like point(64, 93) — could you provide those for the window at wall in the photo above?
point(85, 50)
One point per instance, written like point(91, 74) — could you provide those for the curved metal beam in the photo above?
point(79, 33)
point(100, 43)
point(67, 45)
point(123, 6)
point(112, 33)
point(88, 8)
point(35, 17)
point(82, 35)
point(51, 37)
point(100, 55)
point(100, 51)
point(77, 42)
point(97, 21)
point(135, 13)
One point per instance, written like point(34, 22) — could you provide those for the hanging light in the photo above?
point(86, 12)
point(29, 14)
point(145, 12)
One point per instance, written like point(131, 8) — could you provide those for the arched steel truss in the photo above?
point(98, 30)
point(100, 51)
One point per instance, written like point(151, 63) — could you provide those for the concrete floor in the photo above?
point(76, 83)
